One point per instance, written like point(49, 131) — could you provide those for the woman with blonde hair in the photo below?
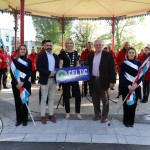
point(70, 58)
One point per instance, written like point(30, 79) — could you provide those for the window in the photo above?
point(7, 38)
point(7, 48)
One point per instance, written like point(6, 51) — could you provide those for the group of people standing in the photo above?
point(102, 68)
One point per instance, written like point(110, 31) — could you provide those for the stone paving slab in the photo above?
point(73, 130)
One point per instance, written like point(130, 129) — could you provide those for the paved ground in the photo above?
point(77, 131)
point(68, 146)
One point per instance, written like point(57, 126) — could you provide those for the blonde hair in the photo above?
point(69, 39)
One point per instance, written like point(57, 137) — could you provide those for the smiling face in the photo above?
point(23, 50)
point(98, 45)
point(131, 54)
point(69, 44)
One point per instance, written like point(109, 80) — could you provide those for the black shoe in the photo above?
point(18, 123)
point(143, 101)
point(24, 123)
point(131, 125)
point(5, 87)
point(126, 124)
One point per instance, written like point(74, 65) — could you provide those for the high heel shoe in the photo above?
point(79, 116)
point(67, 116)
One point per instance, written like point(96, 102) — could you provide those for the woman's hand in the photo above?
point(19, 85)
point(133, 87)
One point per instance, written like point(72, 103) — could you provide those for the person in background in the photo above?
point(84, 58)
point(40, 52)
point(119, 60)
point(14, 53)
point(146, 81)
point(106, 49)
point(24, 66)
point(32, 57)
point(46, 64)
point(3, 69)
point(140, 54)
point(69, 58)
point(114, 57)
point(128, 70)
point(59, 85)
point(102, 72)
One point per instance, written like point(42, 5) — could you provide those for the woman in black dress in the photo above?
point(129, 70)
point(24, 66)
point(69, 58)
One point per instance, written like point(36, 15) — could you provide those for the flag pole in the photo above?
point(118, 109)
point(30, 114)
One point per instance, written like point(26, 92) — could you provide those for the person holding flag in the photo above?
point(128, 72)
point(21, 70)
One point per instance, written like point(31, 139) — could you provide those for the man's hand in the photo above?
point(53, 73)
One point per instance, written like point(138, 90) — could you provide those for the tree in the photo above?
point(47, 28)
point(82, 34)
point(124, 32)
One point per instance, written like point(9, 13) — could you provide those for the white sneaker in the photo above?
point(79, 116)
point(67, 116)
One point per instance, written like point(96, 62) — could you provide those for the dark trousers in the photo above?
point(21, 109)
point(98, 94)
point(33, 76)
point(66, 96)
point(3, 76)
point(119, 87)
point(129, 112)
point(146, 89)
point(86, 83)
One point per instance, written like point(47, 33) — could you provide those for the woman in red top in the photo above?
point(146, 82)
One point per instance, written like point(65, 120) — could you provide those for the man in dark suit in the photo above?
point(102, 71)
point(47, 62)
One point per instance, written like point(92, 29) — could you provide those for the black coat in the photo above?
point(42, 67)
point(106, 69)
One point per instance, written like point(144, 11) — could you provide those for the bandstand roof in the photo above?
point(80, 8)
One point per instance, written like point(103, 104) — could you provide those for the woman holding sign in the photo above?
point(24, 66)
point(69, 58)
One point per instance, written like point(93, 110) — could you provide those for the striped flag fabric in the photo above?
point(24, 94)
point(131, 98)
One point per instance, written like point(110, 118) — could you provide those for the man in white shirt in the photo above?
point(47, 62)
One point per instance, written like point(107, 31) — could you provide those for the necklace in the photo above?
point(72, 61)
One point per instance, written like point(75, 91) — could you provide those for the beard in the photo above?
point(49, 50)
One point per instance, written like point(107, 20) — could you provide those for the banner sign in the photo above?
point(72, 74)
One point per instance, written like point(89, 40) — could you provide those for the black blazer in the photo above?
point(43, 68)
point(106, 69)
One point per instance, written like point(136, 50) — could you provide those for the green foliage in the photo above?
point(124, 32)
point(50, 29)
point(82, 34)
